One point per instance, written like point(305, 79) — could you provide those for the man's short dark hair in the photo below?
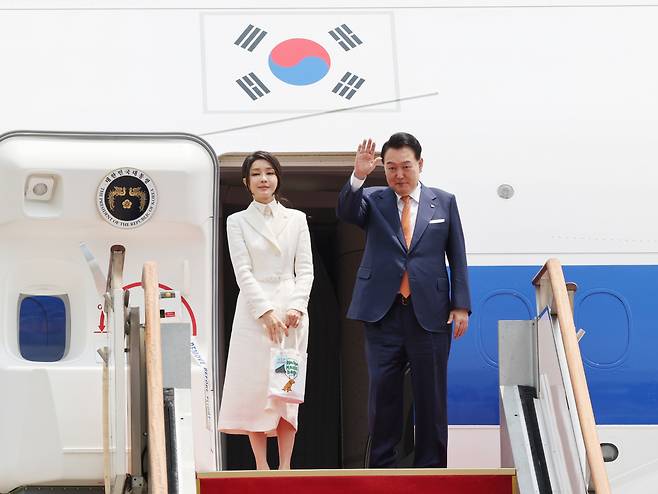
point(400, 140)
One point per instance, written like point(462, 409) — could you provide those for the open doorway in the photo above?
point(333, 420)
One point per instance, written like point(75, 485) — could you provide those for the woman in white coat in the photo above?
point(270, 250)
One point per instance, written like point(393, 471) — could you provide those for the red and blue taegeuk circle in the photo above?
point(299, 61)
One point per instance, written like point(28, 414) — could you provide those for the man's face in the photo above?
point(402, 169)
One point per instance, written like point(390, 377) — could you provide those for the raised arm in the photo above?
point(351, 206)
point(257, 302)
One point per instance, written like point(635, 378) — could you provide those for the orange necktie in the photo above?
point(405, 289)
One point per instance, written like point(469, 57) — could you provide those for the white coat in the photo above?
point(273, 267)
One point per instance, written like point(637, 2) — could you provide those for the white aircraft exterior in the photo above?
point(541, 117)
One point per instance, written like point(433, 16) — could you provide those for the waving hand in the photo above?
point(365, 161)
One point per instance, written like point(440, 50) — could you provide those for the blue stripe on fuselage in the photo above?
point(613, 304)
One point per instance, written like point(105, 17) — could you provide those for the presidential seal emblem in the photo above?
point(126, 197)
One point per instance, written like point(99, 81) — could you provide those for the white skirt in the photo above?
point(245, 407)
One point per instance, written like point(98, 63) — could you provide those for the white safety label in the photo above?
point(196, 355)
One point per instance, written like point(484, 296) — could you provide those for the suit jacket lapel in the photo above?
point(388, 205)
point(280, 220)
point(257, 221)
point(427, 207)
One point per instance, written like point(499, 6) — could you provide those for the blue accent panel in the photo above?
point(500, 304)
point(42, 328)
point(307, 71)
point(608, 338)
point(615, 305)
point(626, 391)
point(497, 292)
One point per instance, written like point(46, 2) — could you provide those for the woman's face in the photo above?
point(262, 181)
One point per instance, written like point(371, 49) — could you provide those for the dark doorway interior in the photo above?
point(332, 421)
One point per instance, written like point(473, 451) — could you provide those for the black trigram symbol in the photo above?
point(345, 37)
point(348, 85)
point(253, 86)
point(250, 38)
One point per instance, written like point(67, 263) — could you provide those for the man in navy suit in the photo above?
point(403, 295)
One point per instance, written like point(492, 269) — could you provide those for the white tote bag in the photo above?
point(287, 374)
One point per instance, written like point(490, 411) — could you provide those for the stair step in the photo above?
point(390, 481)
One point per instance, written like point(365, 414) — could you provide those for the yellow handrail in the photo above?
point(552, 271)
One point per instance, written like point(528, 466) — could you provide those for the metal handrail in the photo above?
point(552, 291)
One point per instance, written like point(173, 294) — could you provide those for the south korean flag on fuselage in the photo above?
point(298, 61)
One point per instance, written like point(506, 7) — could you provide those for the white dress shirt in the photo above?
point(267, 210)
point(357, 183)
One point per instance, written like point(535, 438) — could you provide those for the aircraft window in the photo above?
point(43, 327)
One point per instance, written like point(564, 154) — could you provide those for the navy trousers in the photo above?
point(390, 343)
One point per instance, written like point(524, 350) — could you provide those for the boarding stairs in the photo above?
point(548, 432)
point(152, 378)
point(548, 436)
point(549, 442)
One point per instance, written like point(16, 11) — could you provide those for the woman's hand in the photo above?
point(273, 326)
point(293, 318)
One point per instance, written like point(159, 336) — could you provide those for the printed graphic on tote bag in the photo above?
point(289, 367)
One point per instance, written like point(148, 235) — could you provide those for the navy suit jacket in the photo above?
point(375, 210)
